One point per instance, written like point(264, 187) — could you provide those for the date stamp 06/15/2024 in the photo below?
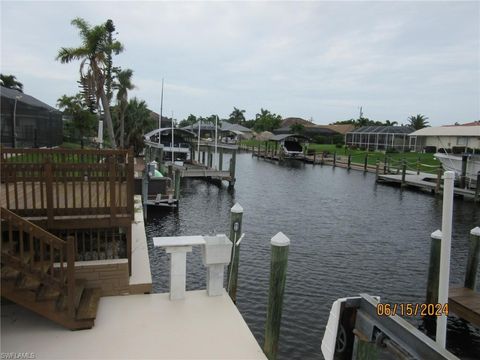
point(412, 309)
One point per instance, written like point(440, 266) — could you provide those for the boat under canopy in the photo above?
point(291, 145)
point(451, 162)
point(179, 150)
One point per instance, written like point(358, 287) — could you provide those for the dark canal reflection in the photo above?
point(348, 236)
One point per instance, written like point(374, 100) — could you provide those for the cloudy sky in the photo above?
point(319, 60)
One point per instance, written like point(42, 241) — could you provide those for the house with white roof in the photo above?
point(455, 138)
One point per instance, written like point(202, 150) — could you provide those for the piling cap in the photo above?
point(280, 240)
point(449, 175)
point(237, 208)
point(437, 235)
point(476, 231)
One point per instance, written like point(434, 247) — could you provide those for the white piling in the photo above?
point(444, 278)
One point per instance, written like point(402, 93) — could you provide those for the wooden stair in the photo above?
point(36, 275)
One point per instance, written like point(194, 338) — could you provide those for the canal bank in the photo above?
point(348, 235)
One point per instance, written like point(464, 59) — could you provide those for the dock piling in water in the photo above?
point(432, 279)
point(177, 184)
point(404, 172)
point(278, 275)
point(349, 161)
point(473, 259)
point(236, 216)
point(463, 176)
point(365, 163)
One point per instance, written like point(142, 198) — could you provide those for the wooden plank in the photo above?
point(465, 303)
point(89, 304)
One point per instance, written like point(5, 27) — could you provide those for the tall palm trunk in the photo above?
point(108, 119)
point(122, 126)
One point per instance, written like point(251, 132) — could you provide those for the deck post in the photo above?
point(439, 181)
point(473, 258)
point(49, 190)
point(365, 163)
point(335, 159)
point(432, 279)
point(463, 176)
point(220, 160)
point(404, 172)
point(349, 161)
point(477, 189)
point(236, 216)
point(177, 184)
point(278, 276)
point(178, 270)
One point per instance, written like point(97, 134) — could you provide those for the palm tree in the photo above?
point(390, 123)
point(138, 121)
point(10, 82)
point(418, 122)
point(237, 117)
point(122, 84)
point(93, 50)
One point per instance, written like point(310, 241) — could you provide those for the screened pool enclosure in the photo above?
point(380, 138)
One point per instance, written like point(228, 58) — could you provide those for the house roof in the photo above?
point(449, 131)
point(287, 122)
point(284, 136)
point(341, 128)
point(24, 98)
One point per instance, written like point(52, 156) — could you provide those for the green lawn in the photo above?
point(426, 161)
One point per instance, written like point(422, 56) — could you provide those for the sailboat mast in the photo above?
point(173, 143)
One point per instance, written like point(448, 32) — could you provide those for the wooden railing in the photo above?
point(57, 182)
point(37, 253)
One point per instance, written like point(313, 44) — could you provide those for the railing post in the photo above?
point(130, 183)
point(71, 276)
point(49, 190)
point(278, 275)
point(473, 259)
point(236, 216)
point(432, 279)
point(112, 185)
point(404, 172)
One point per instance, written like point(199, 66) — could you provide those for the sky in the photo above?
point(317, 60)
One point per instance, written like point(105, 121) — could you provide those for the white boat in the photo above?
point(452, 162)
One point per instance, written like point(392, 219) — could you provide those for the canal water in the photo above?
point(348, 236)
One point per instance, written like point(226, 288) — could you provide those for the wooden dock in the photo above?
point(465, 303)
point(423, 181)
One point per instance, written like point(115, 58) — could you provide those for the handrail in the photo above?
point(40, 254)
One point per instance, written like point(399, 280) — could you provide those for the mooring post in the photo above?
point(385, 160)
point(236, 216)
point(334, 159)
point(233, 163)
point(203, 157)
point(477, 189)
point(314, 157)
point(349, 161)
point(210, 160)
point(377, 170)
point(404, 171)
point(464, 171)
point(439, 181)
point(278, 275)
point(418, 166)
point(322, 160)
point(430, 322)
point(473, 258)
point(220, 160)
point(177, 184)
point(365, 163)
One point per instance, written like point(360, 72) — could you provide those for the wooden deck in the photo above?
point(423, 181)
point(465, 303)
